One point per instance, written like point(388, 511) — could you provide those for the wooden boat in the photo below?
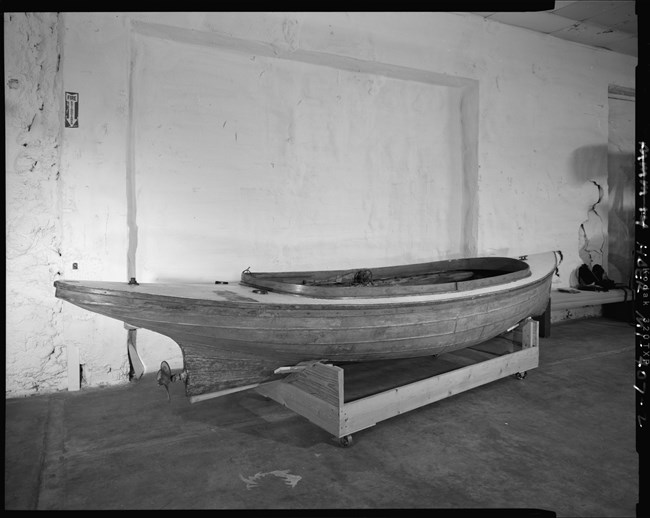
point(236, 335)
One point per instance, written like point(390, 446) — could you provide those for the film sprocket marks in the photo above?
point(642, 298)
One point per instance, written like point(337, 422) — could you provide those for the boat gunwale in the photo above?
point(514, 269)
point(257, 305)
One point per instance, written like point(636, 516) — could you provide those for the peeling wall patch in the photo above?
point(593, 233)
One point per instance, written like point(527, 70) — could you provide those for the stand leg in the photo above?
point(137, 366)
point(316, 391)
point(545, 322)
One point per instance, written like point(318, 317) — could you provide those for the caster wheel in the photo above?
point(346, 441)
point(520, 375)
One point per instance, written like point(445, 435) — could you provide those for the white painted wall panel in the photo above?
point(621, 160)
point(247, 160)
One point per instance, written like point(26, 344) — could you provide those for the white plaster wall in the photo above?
point(542, 109)
point(541, 112)
point(65, 198)
point(247, 160)
point(542, 135)
point(35, 355)
point(93, 185)
point(621, 197)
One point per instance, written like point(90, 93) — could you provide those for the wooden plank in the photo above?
point(502, 344)
point(527, 334)
point(320, 380)
point(219, 393)
point(530, 334)
point(468, 355)
point(316, 392)
point(369, 378)
point(211, 370)
point(562, 300)
point(364, 413)
point(308, 401)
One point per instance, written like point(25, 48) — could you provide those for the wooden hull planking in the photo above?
point(230, 339)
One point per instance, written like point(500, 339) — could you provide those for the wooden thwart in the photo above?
point(317, 391)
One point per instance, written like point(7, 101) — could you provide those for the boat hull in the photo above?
point(233, 337)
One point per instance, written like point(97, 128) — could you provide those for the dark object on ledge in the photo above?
point(586, 278)
point(601, 277)
point(594, 279)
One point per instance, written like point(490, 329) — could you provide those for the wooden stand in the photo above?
point(316, 390)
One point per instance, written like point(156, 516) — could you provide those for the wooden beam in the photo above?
point(219, 393)
point(530, 334)
point(366, 412)
point(527, 334)
point(563, 300)
point(296, 368)
point(315, 393)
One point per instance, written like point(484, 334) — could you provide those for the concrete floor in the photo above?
point(562, 440)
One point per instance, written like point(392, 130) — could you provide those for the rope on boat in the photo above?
point(347, 278)
point(363, 277)
point(557, 266)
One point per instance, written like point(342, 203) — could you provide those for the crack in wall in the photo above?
point(589, 249)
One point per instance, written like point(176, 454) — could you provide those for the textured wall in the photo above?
point(278, 164)
point(621, 199)
point(65, 204)
point(35, 357)
point(532, 160)
point(93, 184)
point(543, 139)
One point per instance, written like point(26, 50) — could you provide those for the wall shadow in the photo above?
point(606, 236)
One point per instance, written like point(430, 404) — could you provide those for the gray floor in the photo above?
point(562, 440)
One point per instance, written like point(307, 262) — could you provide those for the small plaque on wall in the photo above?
point(71, 110)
